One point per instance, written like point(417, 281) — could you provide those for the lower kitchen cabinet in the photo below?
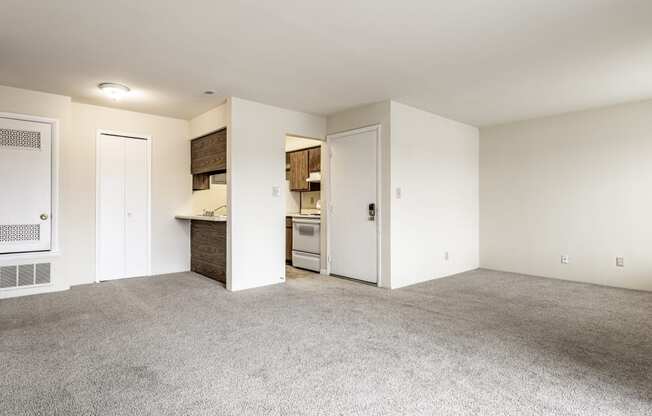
point(208, 249)
point(288, 240)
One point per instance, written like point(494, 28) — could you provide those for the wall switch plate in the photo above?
point(399, 193)
point(564, 259)
point(620, 262)
point(276, 191)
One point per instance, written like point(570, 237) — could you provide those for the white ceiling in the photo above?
point(297, 143)
point(477, 61)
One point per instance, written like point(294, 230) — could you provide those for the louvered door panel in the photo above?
point(25, 185)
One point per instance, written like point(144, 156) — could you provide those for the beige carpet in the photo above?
point(480, 343)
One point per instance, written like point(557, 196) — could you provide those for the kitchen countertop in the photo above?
point(217, 218)
point(297, 215)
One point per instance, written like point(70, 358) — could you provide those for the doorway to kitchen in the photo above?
point(122, 205)
point(303, 220)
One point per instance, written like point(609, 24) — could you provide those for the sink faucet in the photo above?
point(213, 213)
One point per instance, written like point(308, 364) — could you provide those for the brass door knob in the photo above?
point(44, 217)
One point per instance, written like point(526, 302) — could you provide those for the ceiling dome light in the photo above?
point(113, 90)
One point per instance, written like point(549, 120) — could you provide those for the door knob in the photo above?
point(44, 217)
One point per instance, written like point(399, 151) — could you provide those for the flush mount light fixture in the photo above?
point(113, 90)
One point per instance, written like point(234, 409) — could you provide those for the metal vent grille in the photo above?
point(20, 138)
point(42, 275)
point(25, 275)
point(19, 232)
point(8, 276)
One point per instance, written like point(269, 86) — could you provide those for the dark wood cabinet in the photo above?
point(299, 171)
point(314, 159)
point(301, 163)
point(207, 157)
point(201, 181)
point(288, 239)
point(208, 153)
point(208, 249)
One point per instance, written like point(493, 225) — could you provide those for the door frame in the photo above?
point(379, 206)
point(98, 153)
point(54, 188)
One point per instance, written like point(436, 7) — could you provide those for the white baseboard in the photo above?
point(34, 290)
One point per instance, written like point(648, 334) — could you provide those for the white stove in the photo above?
point(306, 242)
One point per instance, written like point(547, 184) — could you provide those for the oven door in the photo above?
point(306, 235)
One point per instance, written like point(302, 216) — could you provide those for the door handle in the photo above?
point(372, 212)
point(44, 216)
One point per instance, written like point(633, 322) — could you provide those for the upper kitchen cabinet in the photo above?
point(314, 159)
point(302, 162)
point(207, 157)
point(208, 153)
point(299, 171)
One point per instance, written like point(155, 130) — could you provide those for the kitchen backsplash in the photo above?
point(292, 199)
point(309, 199)
point(306, 200)
point(209, 199)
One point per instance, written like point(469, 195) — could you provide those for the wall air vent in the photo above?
point(24, 275)
point(20, 138)
point(8, 277)
point(19, 232)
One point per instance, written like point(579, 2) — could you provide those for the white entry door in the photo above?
point(353, 207)
point(123, 207)
point(25, 186)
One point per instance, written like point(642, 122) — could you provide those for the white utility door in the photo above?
point(26, 186)
point(123, 207)
point(352, 225)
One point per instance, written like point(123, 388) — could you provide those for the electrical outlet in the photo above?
point(620, 262)
point(446, 257)
point(399, 193)
point(564, 259)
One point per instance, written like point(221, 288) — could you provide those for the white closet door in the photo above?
point(136, 206)
point(123, 208)
point(25, 186)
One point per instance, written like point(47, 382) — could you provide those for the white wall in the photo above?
point(580, 185)
point(209, 121)
point(171, 187)
point(256, 163)
point(435, 163)
point(367, 115)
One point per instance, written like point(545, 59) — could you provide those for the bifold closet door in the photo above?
point(123, 208)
